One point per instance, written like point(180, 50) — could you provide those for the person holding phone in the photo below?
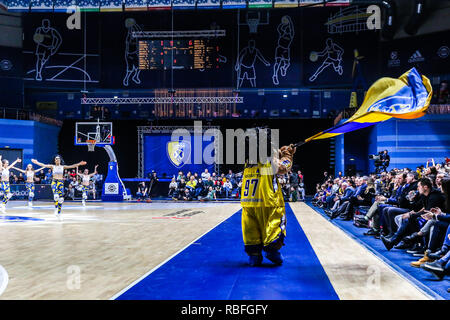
point(408, 222)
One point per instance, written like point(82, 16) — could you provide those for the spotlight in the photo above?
point(416, 18)
point(390, 20)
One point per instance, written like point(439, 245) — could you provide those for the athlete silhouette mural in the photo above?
point(245, 64)
point(283, 50)
point(48, 40)
point(132, 53)
point(333, 57)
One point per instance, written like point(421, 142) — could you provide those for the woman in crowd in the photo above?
point(173, 187)
point(191, 184)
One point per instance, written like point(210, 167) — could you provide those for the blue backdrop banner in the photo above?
point(187, 154)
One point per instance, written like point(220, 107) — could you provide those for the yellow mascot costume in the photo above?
point(263, 211)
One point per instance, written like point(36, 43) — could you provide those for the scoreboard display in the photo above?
point(179, 54)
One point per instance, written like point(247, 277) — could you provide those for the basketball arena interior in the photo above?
point(224, 150)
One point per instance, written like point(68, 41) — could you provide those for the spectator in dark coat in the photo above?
point(429, 198)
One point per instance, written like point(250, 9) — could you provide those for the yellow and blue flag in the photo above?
point(407, 97)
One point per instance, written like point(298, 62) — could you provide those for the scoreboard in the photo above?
point(179, 54)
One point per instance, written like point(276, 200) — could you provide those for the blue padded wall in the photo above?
point(410, 143)
point(38, 140)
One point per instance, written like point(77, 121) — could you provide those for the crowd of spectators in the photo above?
point(211, 186)
point(208, 186)
point(205, 186)
point(405, 209)
point(72, 182)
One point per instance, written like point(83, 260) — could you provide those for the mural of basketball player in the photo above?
point(245, 64)
point(48, 41)
point(132, 52)
point(333, 57)
point(282, 52)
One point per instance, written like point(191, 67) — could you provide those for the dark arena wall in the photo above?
point(106, 45)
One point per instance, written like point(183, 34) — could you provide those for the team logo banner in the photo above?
point(178, 152)
point(167, 155)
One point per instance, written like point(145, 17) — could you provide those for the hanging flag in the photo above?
point(407, 97)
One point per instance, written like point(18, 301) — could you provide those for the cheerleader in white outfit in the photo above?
point(58, 180)
point(29, 184)
point(85, 180)
point(5, 189)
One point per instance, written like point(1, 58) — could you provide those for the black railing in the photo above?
point(439, 109)
point(21, 114)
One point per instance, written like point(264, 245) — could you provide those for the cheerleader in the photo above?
point(29, 183)
point(4, 186)
point(58, 180)
point(85, 180)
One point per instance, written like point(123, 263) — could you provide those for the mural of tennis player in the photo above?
point(132, 52)
point(282, 52)
point(48, 41)
point(333, 57)
point(245, 64)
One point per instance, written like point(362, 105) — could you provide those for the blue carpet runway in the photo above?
point(215, 268)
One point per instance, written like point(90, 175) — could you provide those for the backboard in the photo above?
point(253, 19)
point(101, 132)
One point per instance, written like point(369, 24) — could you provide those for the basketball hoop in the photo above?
point(253, 25)
point(91, 145)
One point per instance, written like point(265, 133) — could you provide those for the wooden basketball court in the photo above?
point(104, 249)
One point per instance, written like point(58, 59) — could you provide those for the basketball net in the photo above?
point(253, 25)
point(91, 145)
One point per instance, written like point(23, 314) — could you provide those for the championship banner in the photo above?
point(407, 97)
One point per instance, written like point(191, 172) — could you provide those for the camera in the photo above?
point(379, 161)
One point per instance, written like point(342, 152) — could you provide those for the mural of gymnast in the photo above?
point(282, 52)
point(333, 57)
point(245, 64)
point(48, 41)
point(132, 52)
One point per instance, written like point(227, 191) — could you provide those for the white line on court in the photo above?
point(4, 278)
point(64, 207)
